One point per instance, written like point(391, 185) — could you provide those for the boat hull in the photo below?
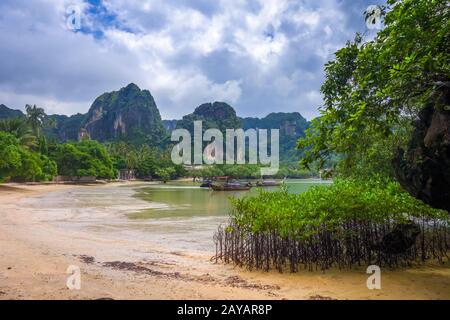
point(229, 188)
point(268, 184)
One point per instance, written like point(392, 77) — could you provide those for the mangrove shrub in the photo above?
point(349, 222)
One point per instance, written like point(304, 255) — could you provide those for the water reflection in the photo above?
point(189, 200)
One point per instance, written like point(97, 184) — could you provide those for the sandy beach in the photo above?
point(37, 247)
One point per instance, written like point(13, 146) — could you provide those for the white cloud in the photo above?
point(259, 56)
point(52, 105)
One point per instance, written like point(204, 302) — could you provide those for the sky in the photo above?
point(258, 56)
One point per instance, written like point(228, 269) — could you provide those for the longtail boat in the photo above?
point(230, 187)
point(206, 184)
point(268, 183)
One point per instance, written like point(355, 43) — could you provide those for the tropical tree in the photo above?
point(20, 129)
point(22, 164)
point(35, 117)
point(85, 158)
point(124, 155)
point(373, 89)
point(165, 173)
point(10, 159)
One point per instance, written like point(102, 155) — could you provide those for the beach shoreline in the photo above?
point(35, 254)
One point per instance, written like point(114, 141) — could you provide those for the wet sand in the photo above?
point(39, 239)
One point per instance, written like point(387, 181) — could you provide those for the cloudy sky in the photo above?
point(259, 56)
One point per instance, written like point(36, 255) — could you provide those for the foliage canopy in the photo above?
point(374, 89)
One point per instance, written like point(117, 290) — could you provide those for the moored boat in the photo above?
point(230, 187)
point(268, 183)
point(206, 184)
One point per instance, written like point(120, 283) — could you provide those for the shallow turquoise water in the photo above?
point(178, 199)
point(178, 216)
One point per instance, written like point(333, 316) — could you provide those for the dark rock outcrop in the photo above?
point(170, 125)
point(217, 115)
point(129, 114)
point(222, 116)
point(66, 128)
point(424, 168)
point(291, 124)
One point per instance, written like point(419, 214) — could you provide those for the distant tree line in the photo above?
point(26, 154)
point(248, 171)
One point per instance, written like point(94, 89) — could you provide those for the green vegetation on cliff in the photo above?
point(7, 113)
point(217, 115)
point(292, 126)
point(129, 114)
point(66, 128)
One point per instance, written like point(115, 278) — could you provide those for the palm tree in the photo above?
point(145, 152)
point(20, 129)
point(132, 160)
point(35, 117)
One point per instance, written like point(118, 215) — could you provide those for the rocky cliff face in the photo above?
point(222, 116)
point(7, 113)
point(129, 114)
point(67, 127)
point(292, 126)
point(424, 168)
point(170, 124)
point(214, 115)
